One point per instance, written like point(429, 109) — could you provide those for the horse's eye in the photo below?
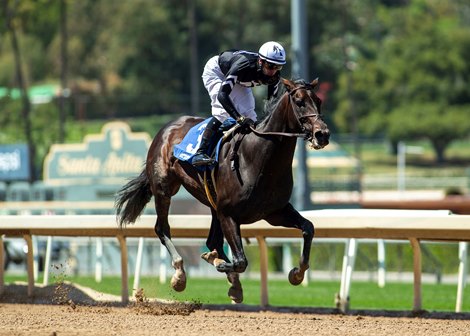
point(300, 102)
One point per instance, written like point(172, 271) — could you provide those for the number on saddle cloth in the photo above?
point(186, 150)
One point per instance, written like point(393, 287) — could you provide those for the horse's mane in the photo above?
point(271, 104)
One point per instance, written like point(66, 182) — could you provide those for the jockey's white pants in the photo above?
point(242, 97)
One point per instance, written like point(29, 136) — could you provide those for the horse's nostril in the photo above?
point(322, 136)
point(319, 135)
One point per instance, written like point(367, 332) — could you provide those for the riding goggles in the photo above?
point(272, 66)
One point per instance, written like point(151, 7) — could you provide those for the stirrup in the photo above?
point(202, 160)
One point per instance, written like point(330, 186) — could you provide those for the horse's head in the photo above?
point(306, 106)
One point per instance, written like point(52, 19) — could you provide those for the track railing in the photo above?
point(411, 225)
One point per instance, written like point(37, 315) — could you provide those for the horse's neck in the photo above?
point(274, 150)
point(280, 119)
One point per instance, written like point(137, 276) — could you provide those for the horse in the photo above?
point(258, 187)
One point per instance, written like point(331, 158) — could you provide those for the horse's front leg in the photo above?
point(289, 217)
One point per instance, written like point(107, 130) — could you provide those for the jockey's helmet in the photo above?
point(272, 52)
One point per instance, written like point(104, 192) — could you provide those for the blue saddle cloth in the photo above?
point(186, 150)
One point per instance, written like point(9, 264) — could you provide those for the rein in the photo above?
point(291, 135)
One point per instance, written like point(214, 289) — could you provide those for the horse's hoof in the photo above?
point(212, 258)
point(178, 282)
point(235, 292)
point(178, 286)
point(295, 277)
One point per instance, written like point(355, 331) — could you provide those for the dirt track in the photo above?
point(69, 311)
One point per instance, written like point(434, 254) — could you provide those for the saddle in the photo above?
point(186, 150)
point(188, 147)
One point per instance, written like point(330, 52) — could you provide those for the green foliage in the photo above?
point(380, 59)
point(440, 124)
point(413, 83)
point(44, 126)
point(44, 132)
point(150, 125)
point(10, 118)
point(33, 61)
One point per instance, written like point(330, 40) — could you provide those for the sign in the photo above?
point(14, 162)
point(110, 157)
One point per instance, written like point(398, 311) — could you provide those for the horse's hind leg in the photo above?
point(289, 217)
point(162, 229)
point(216, 256)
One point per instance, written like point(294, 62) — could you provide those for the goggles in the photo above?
point(272, 66)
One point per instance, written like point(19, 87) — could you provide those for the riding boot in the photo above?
point(201, 158)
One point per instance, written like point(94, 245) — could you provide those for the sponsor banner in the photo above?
point(14, 162)
point(113, 155)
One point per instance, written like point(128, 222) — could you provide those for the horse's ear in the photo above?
point(290, 85)
point(314, 82)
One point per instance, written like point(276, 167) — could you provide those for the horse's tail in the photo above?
point(131, 199)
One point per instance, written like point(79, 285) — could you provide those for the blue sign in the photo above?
point(14, 162)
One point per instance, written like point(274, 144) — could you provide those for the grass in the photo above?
point(363, 295)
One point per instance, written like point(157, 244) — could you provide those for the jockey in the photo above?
point(228, 78)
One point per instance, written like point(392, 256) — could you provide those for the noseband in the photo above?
point(300, 119)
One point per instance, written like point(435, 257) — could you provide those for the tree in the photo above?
point(414, 83)
point(9, 11)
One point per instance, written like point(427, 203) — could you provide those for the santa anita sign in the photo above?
point(109, 158)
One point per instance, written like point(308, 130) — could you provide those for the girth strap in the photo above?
point(207, 187)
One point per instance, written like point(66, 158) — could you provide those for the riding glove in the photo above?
point(245, 122)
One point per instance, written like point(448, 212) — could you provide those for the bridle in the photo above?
point(300, 119)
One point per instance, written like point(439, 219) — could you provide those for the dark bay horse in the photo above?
point(259, 188)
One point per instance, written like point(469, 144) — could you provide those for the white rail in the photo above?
point(411, 225)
